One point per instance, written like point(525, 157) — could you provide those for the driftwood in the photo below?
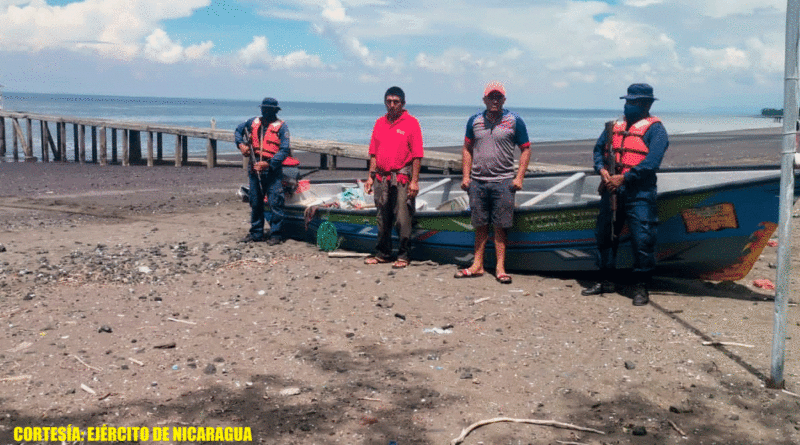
point(676, 428)
point(790, 393)
point(86, 364)
point(89, 390)
point(16, 378)
point(552, 423)
point(347, 254)
point(726, 343)
point(180, 321)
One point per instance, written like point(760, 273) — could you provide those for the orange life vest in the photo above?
point(270, 144)
point(628, 145)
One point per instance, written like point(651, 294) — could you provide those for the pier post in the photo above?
point(178, 156)
point(50, 142)
point(94, 144)
point(60, 142)
point(29, 157)
point(63, 148)
point(43, 132)
point(126, 155)
point(15, 148)
point(211, 148)
point(103, 150)
point(75, 142)
point(2, 138)
point(150, 149)
point(184, 149)
point(159, 146)
point(134, 146)
point(113, 145)
point(82, 150)
point(19, 140)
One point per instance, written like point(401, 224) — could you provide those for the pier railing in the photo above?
point(140, 143)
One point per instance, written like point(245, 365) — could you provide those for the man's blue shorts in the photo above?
point(492, 201)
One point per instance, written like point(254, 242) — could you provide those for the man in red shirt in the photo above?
point(395, 151)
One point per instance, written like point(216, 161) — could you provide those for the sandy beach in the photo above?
point(127, 301)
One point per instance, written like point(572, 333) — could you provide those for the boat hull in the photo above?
point(712, 232)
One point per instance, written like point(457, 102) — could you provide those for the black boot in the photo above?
point(640, 295)
point(599, 288)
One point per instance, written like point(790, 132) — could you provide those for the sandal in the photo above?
point(504, 279)
point(372, 260)
point(466, 273)
point(400, 264)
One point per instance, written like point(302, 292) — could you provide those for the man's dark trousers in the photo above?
point(394, 209)
point(641, 216)
point(269, 182)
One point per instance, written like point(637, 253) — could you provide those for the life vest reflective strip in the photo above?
point(270, 144)
point(629, 147)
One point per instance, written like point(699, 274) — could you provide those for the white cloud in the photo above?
point(297, 59)
point(369, 78)
point(455, 60)
point(721, 59)
point(330, 19)
point(161, 48)
point(727, 8)
point(355, 48)
point(582, 77)
point(566, 63)
point(401, 23)
point(258, 55)
point(119, 29)
point(560, 84)
point(770, 57)
point(642, 3)
point(201, 51)
point(442, 65)
point(333, 11)
point(630, 40)
point(512, 54)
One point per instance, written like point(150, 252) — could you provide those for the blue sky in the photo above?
point(723, 55)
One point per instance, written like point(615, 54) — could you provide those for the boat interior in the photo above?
point(445, 194)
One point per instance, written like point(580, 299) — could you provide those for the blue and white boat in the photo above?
point(714, 222)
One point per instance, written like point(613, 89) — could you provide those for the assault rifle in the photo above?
point(611, 166)
point(248, 141)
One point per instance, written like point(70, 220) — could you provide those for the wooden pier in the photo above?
point(137, 143)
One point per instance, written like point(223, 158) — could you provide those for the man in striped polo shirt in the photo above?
point(490, 178)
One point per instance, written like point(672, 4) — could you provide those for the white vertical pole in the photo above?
point(790, 112)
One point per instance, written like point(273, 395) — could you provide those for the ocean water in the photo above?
point(441, 125)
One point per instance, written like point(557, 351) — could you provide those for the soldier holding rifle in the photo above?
point(627, 159)
point(265, 139)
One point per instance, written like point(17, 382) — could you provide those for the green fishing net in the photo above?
point(327, 238)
